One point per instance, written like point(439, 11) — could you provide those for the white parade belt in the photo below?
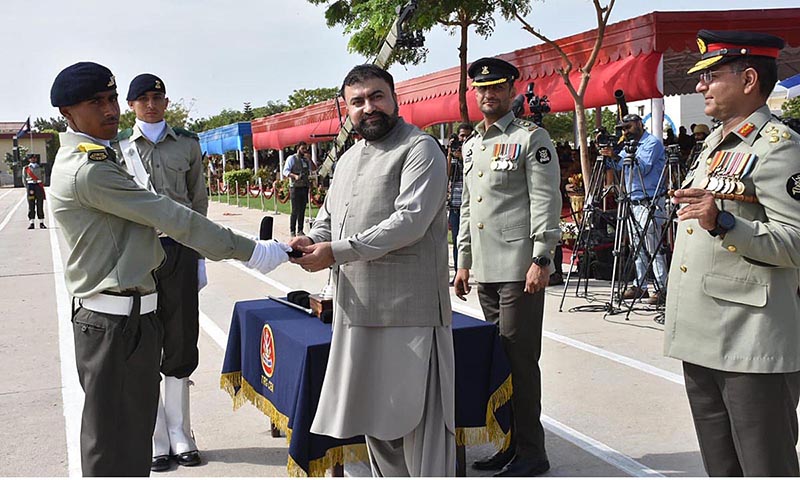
point(117, 305)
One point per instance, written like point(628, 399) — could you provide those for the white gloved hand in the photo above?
point(202, 277)
point(268, 255)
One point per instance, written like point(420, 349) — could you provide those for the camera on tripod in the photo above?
point(454, 144)
point(604, 139)
point(673, 153)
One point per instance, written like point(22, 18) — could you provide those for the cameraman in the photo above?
point(643, 177)
point(455, 175)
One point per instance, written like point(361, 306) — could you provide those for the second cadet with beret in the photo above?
point(510, 209)
point(109, 223)
point(167, 160)
point(733, 301)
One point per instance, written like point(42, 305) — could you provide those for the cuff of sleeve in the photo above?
point(739, 237)
point(343, 252)
point(244, 248)
point(542, 249)
point(465, 261)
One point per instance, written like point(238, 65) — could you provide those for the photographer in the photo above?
point(455, 175)
point(642, 176)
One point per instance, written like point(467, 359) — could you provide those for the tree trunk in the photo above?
point(462, 77)
point(586, 166)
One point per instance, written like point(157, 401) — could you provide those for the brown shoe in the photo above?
point(658, 298)
point(634, 292)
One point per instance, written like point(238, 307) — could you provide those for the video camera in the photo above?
point(673, 153)
point(454, 144)
point(602, 136)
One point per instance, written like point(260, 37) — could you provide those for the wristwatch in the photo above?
point(541, 261)
point(725, 222)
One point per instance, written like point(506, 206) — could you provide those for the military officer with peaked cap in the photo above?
point(737, 260)
point(509, 227)
point(167, 160)
point(109, 223)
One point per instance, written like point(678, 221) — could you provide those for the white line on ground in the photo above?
point(11, 213)
point(588, 444)
point(213, 330)
point(71, 392)
point(599, 449)
point(10, 190)
point(614, 357)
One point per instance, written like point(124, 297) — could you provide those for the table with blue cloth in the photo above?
point(276, 359)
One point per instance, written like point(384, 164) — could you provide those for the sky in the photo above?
point(214, 54)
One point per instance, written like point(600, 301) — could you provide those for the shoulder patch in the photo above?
point(182, 132)
point(543, 155)
point(124, 134)
point(793, 186)
point(90, 147)
point(98, 156)
point(526, 124)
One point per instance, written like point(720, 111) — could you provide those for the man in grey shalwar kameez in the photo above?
point(383, 229)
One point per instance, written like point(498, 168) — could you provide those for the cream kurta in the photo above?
point(385, 217)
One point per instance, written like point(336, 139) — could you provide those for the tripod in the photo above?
point(584, 242)
point(627, 230)
point(672, 175)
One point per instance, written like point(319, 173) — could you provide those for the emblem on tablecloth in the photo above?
point(267, 351)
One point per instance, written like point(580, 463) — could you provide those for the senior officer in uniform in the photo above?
point(109, 223)
point(168, 161)
point(737, 260)
point(510, 210)
point(34, 182)
point(383, 228)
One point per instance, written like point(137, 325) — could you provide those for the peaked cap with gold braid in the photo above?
point(491, 71)
point(720, 47)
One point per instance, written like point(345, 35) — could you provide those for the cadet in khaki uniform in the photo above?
point(34, 182)
point(168, 161)
point(109, 223)
point(509, 227)
point(736, 260)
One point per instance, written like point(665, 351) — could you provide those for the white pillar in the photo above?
point(657, 107)
point(442, 140)
point(315, 153)
point(223, 164)
point(280, 164)
point(255, 160)
point(241, 159)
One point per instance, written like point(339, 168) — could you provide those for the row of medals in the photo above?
point(725, 171)
point(505, 157)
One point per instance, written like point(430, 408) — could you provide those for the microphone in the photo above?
point(265, 230)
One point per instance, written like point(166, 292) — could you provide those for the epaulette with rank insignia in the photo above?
point(526, 124)
point(182, 132)
point(124, 134)
point(776, 131)
point(96, 152)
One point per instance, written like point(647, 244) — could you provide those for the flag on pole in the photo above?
point(26, 128)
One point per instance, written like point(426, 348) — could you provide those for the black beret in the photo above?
point(718, 47)
point(80, 82)
point(146, 82)
point(491, 71)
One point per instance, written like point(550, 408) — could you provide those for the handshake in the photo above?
point(270, 254)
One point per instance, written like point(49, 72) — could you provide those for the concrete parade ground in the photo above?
point(612, 404)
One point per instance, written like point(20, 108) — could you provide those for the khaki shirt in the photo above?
point(175, 165)
point(109, 223)
point(37, 170)
point(732, 303)
point(510, 209)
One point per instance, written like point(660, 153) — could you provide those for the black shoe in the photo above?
point(494, 462)
point(160, 463)
point(188, 459)
point(41, 225)
point(524, 468)
point(556, 279)
point(31, 227)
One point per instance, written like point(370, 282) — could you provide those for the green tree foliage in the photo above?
point(10, 158)
point(228, 116)
point(303, 97)
point(560, 126)
point(368, 22)
point(59, 124)
point(177, 115)
point(791, 108)
point(247, 113)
